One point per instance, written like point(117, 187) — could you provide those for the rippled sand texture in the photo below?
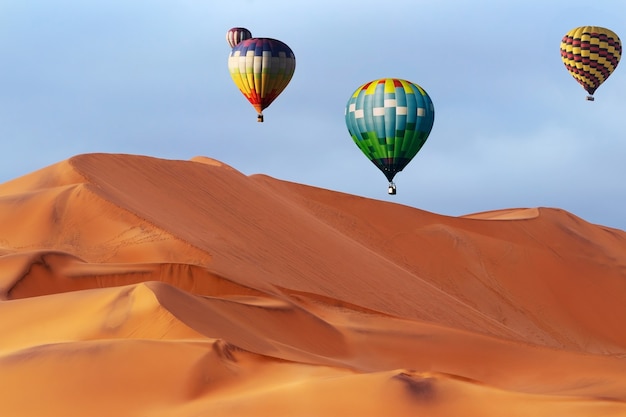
point(136, 286)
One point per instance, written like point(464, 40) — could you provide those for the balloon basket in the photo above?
point(259, 118)
point(392, 189)
point(590, 98)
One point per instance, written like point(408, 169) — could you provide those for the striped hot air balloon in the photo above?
point(591, 54)
point(390, 119)
point(261, 68)
point(236, 35)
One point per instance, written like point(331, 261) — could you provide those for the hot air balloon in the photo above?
point(390, 119)
point(236, 35)
point(591, 54)
point(261, 68)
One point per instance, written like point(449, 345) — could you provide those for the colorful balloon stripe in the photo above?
point(261, 68)
point(236, 35)
point(590, 55)
point(389, 120)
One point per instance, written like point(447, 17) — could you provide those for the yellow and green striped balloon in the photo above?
point(591, 54)
point(261, 68)
point(390, 119)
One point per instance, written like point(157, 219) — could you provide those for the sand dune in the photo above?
point(137, 286)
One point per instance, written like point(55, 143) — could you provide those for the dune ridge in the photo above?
point(160, 287)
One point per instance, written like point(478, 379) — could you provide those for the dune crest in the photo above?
point(180, 288)
point(508, 214)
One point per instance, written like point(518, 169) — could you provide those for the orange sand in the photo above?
point(136, 286)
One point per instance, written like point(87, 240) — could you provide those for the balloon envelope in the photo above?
point(590, 54)
point(390, 119)
point(261, 68)
point(236, 35)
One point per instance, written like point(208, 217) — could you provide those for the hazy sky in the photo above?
point(512, 127)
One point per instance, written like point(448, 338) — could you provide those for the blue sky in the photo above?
point(512, 127)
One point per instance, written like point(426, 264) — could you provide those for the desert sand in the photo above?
point(137, 286)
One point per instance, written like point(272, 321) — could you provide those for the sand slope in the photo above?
point(136, 286)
